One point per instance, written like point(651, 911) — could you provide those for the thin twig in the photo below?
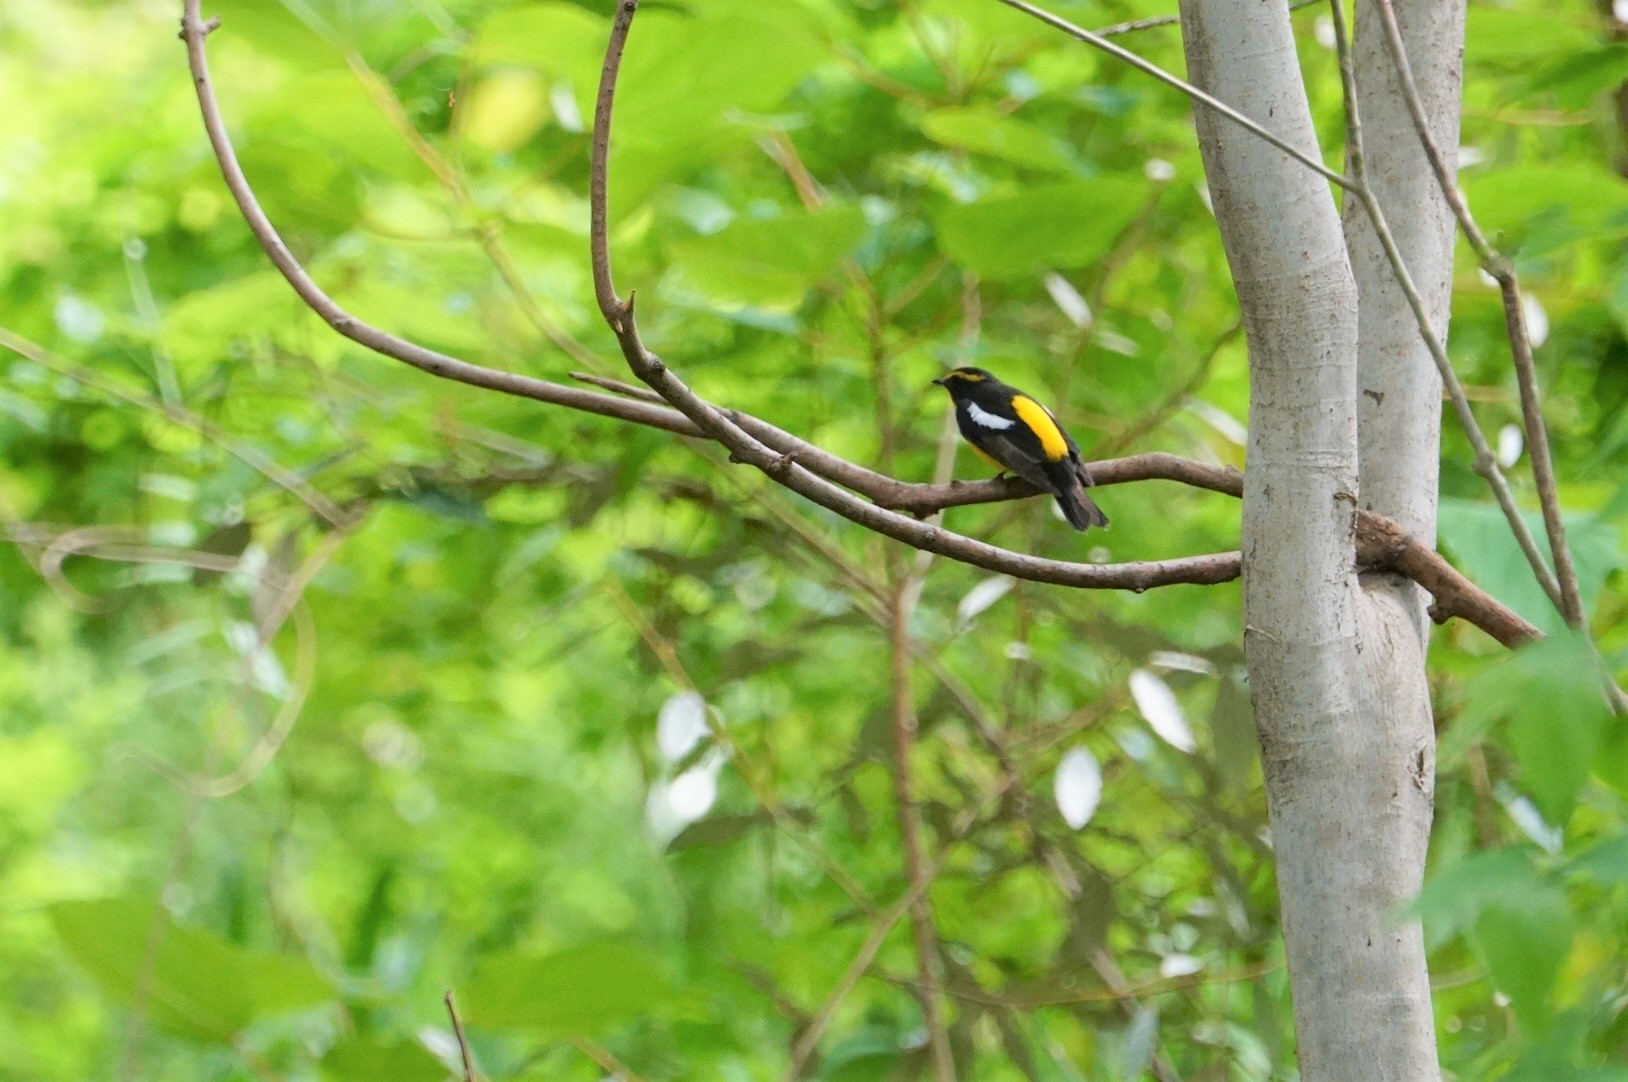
point(289, 600)
point(173, 411)
point(1147, 67)
point(695, 417)
point(1161, 987)
point(1520, 341)
point(667, 654)
point(921, 914)
point(809, 1037)
point(194, 30)
point(783, 467)
point(1136, 25)
point(808, 1040)
point(487, 232)
point(464, 1051)
point(605, 1059)
point(1486, 463)
point(790, 460)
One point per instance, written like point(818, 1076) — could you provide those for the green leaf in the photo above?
point(330, 112)
point(189, 980)
point(1456, 896)
point(366, 1059)
point(1503, 34)
point(770, 260)
point(870, 1054)
point(1545, 1066)
point(560, 39)
point(1515, 916)
point(1606, 862)
point(1575, 78)
point(1040, 228)
point(1549, 695)
point(719, 53)
point(1508, 200)
point(273, 29)
point(1478, 536)
point(985, 131)
point(1525, 939)
point(581, 989)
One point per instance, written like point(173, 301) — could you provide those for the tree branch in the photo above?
point(1147, 67)
point(464, 1052)
point(695, 417)
point(799, 465)
point(1486, 463)
point(783, 467)
point(288, 479)
point(1570, 601)
point(921, 914)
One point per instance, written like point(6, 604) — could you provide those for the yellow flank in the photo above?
point(987, 457)
point(1040, 423)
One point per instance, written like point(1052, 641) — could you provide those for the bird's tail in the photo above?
point(1069, 481)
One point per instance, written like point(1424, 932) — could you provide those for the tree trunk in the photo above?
point(1336, 665)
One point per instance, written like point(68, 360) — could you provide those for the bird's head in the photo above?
point(962, 378)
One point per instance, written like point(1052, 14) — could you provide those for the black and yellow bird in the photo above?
point(1016, 434)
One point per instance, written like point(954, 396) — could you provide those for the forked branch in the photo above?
point(863, 496)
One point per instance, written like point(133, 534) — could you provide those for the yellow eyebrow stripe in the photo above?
point(1034, 415)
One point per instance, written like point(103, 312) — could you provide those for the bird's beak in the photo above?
point(938, 382)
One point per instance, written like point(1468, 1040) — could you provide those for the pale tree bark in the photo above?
point(1400, 407)
point(1336, 665)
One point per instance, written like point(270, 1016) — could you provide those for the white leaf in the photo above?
point(564, 101)
point(1158, 170)
point(673, 805)
point(1220, 420)
point(1323, 30)
point(1619, 10)
point(265, 670)
point(1114, 342)
point(1175, 659)
point(1510, 443)
point(1141, 1040)
point(78, 318)
point(1178, 965)
point(1161, 710)
point(1068, 299)
point(1077, 787)
point(1468, 157)
point(681, 725)
point(1526, 816)
point(441, 1043)
point(691, 794)
point(981, 596)
point(1537, 320)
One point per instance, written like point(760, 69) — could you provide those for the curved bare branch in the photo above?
point(801, 466)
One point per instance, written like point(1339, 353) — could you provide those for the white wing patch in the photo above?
point(987, 419)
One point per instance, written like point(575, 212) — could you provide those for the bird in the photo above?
point(1016, 434)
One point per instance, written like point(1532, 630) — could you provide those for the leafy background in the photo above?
point(821, 204)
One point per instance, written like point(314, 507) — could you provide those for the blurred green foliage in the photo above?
point(821, 203)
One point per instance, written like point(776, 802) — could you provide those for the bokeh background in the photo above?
point(326, 686)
